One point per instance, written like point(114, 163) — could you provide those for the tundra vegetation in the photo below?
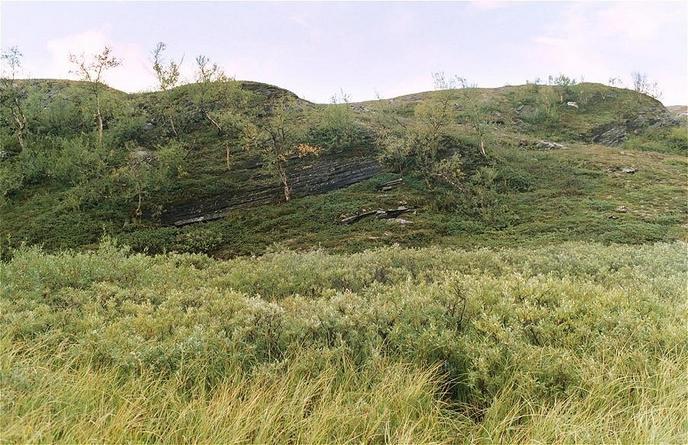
point(275, 322)
point(577, 342)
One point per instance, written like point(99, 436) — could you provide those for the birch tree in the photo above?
point(168, 75)
point(12, 95)
point(279, 139)
point(92, 69)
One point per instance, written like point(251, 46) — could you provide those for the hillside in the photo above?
point(222, 200)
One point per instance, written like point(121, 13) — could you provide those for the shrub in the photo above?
point(533, 331)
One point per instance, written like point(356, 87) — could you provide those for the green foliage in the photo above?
point(426, 145)
point(663, 140)
point(513, 179)
point(13, 97)
point(335, 127)
point(546, 110)
point(515, 345)
point(278, 138)
point(11, 180)
point(146, 173)
point(62, 190)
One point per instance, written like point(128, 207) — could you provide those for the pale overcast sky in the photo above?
point(316, 49)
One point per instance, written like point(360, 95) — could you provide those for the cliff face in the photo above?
point(319, 176)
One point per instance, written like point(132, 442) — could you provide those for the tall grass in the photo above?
point(575, 343)
point(290, 402)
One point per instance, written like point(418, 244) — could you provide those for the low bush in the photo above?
point(577, 342)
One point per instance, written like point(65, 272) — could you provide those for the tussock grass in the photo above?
point(292, 402)
point(572, 343)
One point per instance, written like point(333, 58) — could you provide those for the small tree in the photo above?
point(422, 142)
point(279, 138)
point(167, 73)
point(206, 75)
point(208, 72)
point(433, 119)
point(214, 86)
point(92, 70)
point(391, 137)
point(643, 85)
point(473, 111)
point(336, 124)
point(615, 82)
point(231, 125)
point(146, 172)
point(563, 85)
point(12, 95)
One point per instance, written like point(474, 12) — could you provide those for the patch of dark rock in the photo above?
point(390, 185)
point(378, 214)
point(540, 145)
point(626, 170)
point(322, 176)
point(616, 133)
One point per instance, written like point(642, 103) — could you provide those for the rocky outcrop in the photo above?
point(548, 145)
point(379, 214)
point(615, 134)
point(526, 144)
point(321, 176)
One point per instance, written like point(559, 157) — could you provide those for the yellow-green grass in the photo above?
point(576, 343)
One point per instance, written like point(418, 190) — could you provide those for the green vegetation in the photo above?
point(571, 343)
point(273, 321)
point(65, 190)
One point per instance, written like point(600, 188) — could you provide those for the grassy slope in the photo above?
point(574, 197)
point(572, 343)
point(571, 196)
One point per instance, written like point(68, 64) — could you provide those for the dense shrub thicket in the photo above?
point(577, 342)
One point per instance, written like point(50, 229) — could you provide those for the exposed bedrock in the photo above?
point(320, 176)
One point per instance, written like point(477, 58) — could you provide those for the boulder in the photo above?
point(548, 145)
point(401, 221)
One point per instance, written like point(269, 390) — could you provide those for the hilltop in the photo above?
point(557, 157)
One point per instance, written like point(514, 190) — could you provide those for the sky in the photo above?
point(385, 49)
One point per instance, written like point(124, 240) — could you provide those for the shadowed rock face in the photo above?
point(616, 134)
point(320, 176)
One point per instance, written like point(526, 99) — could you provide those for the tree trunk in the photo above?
point(99, 117)
point(285, 182)
point(174, 130)
point(138, 211)
point(100, 130)
point(214, 122)
point(482, 146)
point(20, 132)
point(20, 138)
point(20, 120)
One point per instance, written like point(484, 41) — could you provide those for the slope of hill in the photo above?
point(578, 192)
